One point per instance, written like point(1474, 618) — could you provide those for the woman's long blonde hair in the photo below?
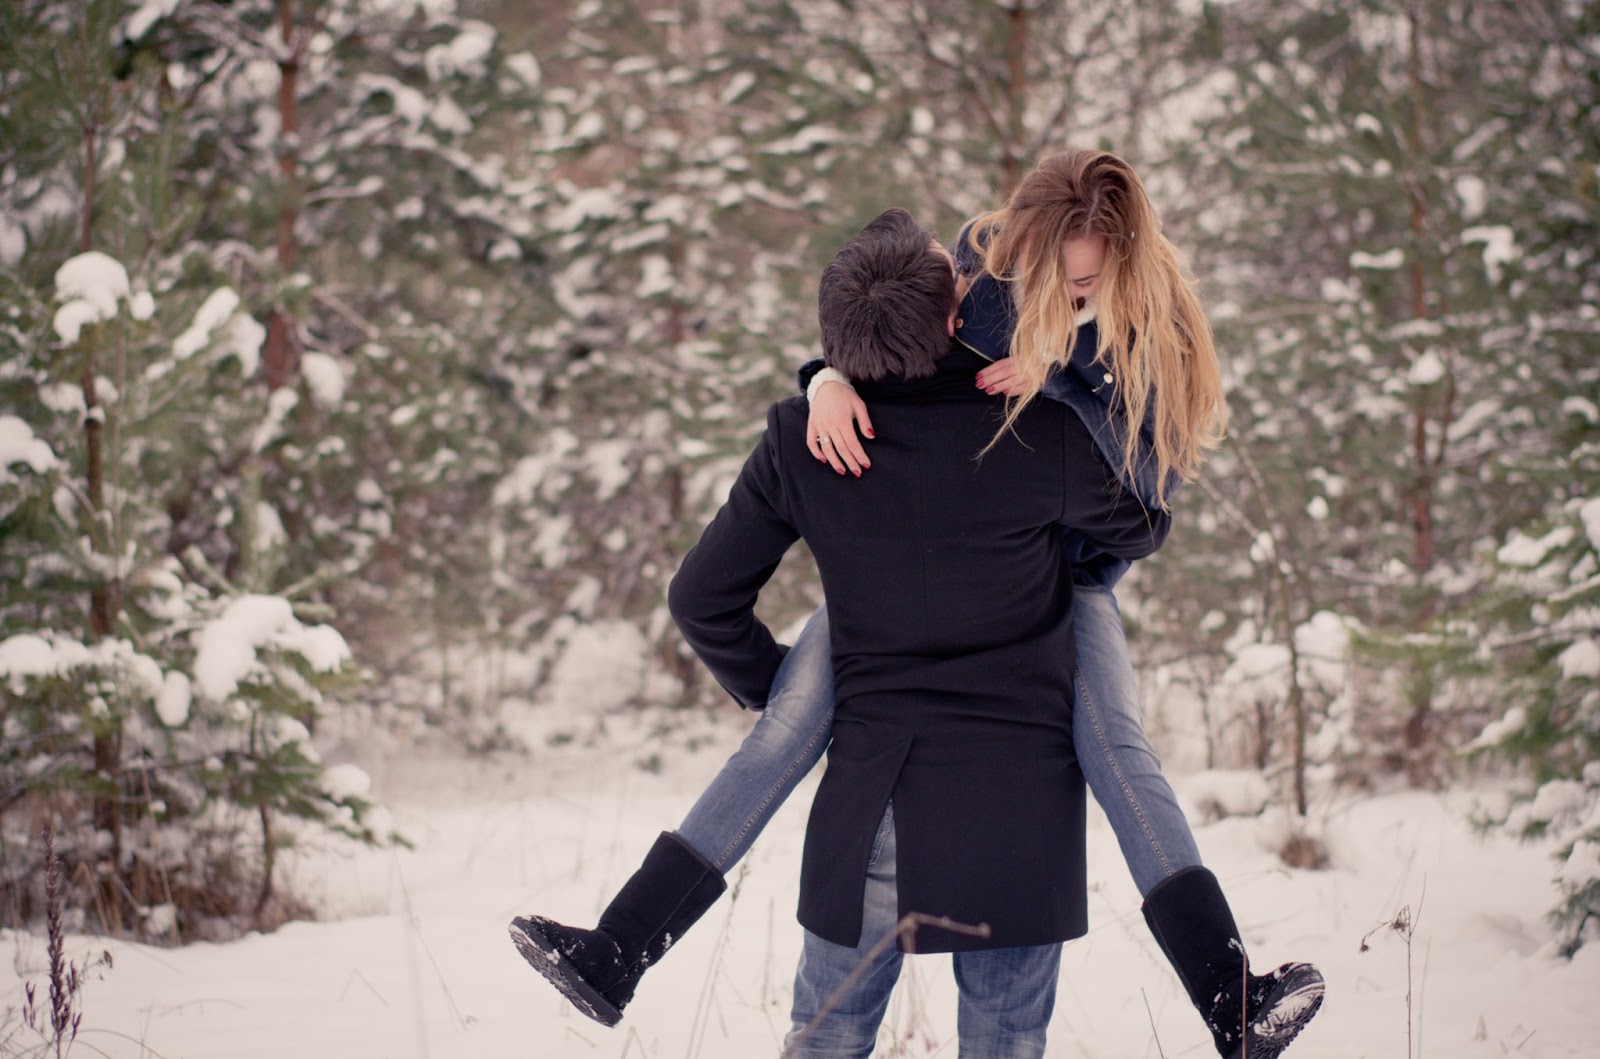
point(1154, 340)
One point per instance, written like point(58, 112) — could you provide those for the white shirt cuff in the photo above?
point(822, 376)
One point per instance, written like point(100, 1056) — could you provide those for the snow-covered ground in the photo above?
point(413, 959)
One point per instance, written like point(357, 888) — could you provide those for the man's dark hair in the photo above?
point(884, 299)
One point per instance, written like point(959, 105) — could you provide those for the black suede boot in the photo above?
point(598, 969)
point(1250, 1016)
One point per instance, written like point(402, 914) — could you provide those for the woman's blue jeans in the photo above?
point(1118, 763)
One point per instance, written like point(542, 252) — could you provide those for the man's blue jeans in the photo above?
point(1108, 734)
point(1007, 995)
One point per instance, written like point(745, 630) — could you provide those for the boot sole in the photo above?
point(1294, 1000)
point(543, 957)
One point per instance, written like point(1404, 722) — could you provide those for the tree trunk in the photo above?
point(1424, 477)
point(281, 353)
point(268, 859)
point(1017, 33)
point(103, 597)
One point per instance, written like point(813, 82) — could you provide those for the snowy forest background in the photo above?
point(366, 366)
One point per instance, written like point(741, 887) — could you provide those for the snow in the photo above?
point(1335, 290)
point(63, 397)
point(1426, 370)
point(146, 15)
point(279, 405)
point(1367, 123)
point(737, 86)
point(1580, 661)
point(589, 126)
point(671, 209)
point(1522, 550)
point(1581, 407)
point(324, 378)
point(466, 54)
point(269, 531)
point(1499, 247)
point(1474, 196)
point(226, 647)
point(586, 205)
point(242, 338)
point(174, 699)
point(550, 545)
point(447, 116)
point(807, 139)
point(656, 277)
point(346, 781)
point(1557, 803)
point(287, 732)
point(1263, 549)
point(1219, 793)
point(601, 668)
point(412, 957)
point(28, 655)
point(526, 68)
point(606, 462)
point(1326, 637)
point(88, 286)
point(1389, 259)
point(19, 445)
point(71, 318)
point(323, 648)
point(13, 241)
point(212, 314)
point(1589, 515)
point(1582, 865)
point(1496, 732)
point(161, 919)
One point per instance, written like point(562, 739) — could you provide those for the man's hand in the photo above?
point(1001, 377)
point(831, 428)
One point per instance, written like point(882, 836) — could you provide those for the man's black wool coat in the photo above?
point(949, 607)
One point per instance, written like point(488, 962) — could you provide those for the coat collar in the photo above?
point(952, 379)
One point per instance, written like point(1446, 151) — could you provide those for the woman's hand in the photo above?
point(1002, 377)
point(831, 428)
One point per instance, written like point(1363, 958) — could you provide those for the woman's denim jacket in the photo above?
point(986, 321)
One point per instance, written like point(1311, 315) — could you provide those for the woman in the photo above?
point(1075, 294)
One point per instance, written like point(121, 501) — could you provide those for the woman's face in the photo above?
point(1084, 260)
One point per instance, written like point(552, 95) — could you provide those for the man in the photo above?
point(951, 788)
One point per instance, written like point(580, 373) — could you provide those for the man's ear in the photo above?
point(950, 324)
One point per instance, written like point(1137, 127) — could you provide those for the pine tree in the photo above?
point(184, 495)
point(1374, 301)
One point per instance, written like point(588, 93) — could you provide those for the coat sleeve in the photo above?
point(1096, 504)
point(713, 595)
point(807, 370)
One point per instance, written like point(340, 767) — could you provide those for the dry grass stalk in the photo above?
point(59, 1027)
point(1404, 924)
point(907, 929)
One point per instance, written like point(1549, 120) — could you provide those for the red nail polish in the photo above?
point(870, 434)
